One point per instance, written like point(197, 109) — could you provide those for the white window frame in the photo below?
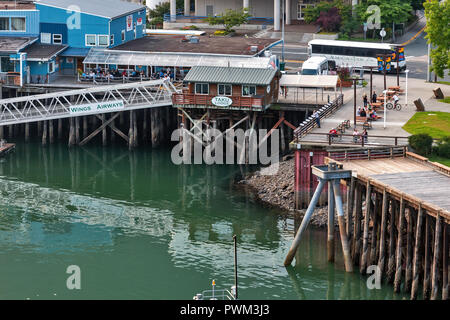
point(49, 35)
point(107, 40)
point(86, 40)
point(10, 24)
point(53, 38)
point(249, 86)
point(224, 91)
point(202, 83)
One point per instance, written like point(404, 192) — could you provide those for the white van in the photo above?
point(315, 66)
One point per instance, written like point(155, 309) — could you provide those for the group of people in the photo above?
point(357, 135)
point(367, 110)
point(116, 74)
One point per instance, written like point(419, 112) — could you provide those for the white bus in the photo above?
point(352, 54)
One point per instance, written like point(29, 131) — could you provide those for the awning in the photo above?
point(306, 81)
point(75, 52)
point(99, 56)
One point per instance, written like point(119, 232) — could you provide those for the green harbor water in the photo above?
point(140, 227)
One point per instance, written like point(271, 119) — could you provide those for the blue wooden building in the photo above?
point(84, 24)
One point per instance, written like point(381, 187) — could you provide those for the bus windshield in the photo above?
point(309, 72)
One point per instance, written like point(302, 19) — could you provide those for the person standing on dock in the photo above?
point(365, 100)
point(317, 118)
point(374, 97)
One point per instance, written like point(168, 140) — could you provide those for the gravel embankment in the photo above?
point(278, 191)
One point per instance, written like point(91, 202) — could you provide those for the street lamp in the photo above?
point(384, 120)
point(406, 94)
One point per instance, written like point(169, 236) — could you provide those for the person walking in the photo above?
point(365, 136)
point(365, 100)
point(374, 97)
point(317, 118)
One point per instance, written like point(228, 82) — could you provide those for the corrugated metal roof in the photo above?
point(231, 75)
point(75, 52)
point(103, 8)
point(307, 81)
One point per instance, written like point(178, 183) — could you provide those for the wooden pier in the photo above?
point(397, 218)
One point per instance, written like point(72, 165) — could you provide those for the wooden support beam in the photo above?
point(349, 209)
point(384, 213)
point(44, 133)
point(445, 243)
point(398, 269)
point(417, 254)
point(51, 132)
point(409, 250)
point(331, 210)
point(363, 263)
point(357, 224)
point(98, 130)
point(375, 223)
point(427, 262)
point(436, 258)
point(391, 261)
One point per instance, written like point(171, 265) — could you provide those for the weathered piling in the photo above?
point(445, 240)
point(384, 213)
point(44, 134)
point(365, 249)
point(398, 269)
point(330, 233)
point(409, 250)
point(357, 225)
point(417, 254)
point(436, 258)
point(427, 260)
point(391, 260)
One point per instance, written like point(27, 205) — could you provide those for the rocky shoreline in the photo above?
point(278, 191)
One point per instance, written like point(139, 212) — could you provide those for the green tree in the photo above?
point(230, 18)
point(397, 11)
point(156, 15)
point(437, 14)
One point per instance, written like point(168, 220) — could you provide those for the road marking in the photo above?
point(295, 61)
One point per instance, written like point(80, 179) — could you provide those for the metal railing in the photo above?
point(215, 295)
point(350, 139)
point(310, 123)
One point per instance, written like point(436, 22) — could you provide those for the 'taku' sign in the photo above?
point(221, 101)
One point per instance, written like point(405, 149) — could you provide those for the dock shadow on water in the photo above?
point(140, 227)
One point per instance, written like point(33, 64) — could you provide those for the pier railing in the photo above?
point(351, 140)
point(368, 153)
point(206, 100)
point(324, 112)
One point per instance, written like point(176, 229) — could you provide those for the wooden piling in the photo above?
point(60, 129)
point(436, 258)
point(445, 263)
point(409, 250)
point(104, 134)
point(145, 126)
point(130, 132)
point(357, 224)
point(363, 263)
point(349, 209)
point(384, 212)
point(391, 260)
point(71, 132)
point(345, 245)
point(77, 130)
point(417, 254)
point(331, 209)
point(2, 132)
point(373, 239)
point(44, 134)
point(427, 260)
point(50, 131)
point(27, 132)
point(135, 130)
point(398, 269)
point(85, 127)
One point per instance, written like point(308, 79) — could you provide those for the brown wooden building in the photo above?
point(253, 89)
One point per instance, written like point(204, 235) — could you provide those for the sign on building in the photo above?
point(129, 22)
point(221, 101)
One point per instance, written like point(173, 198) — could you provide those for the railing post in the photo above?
point(368, 154)
point(329, 139)
point(395, 140)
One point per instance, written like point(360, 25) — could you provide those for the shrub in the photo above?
point(344, 73)
point(329, 20)
point(220, 32)
point(421, 143)
point(443, 148)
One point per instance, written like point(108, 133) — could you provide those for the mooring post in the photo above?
point(304, 224)
point(417, 259)
point(331, 204)
point(436, 258)
point(365, 251)
point(398, 271)
point(384, 211)
point(342, 231)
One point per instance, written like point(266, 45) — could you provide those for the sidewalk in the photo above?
point(395, 120)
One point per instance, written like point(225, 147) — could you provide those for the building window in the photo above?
point(57, 39)
point(103, 40)
point(91, 40)
point(123, 35)
point(202, 88)
point(18, 24)
point(248, 90)
point(225, 90)
point(111, 40)
point(4, 24)
point(6, 65)
point(46, 38)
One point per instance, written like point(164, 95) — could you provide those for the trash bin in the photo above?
point(282, 64)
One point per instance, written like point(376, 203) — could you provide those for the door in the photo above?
point(80, 65)
point(301, 6)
